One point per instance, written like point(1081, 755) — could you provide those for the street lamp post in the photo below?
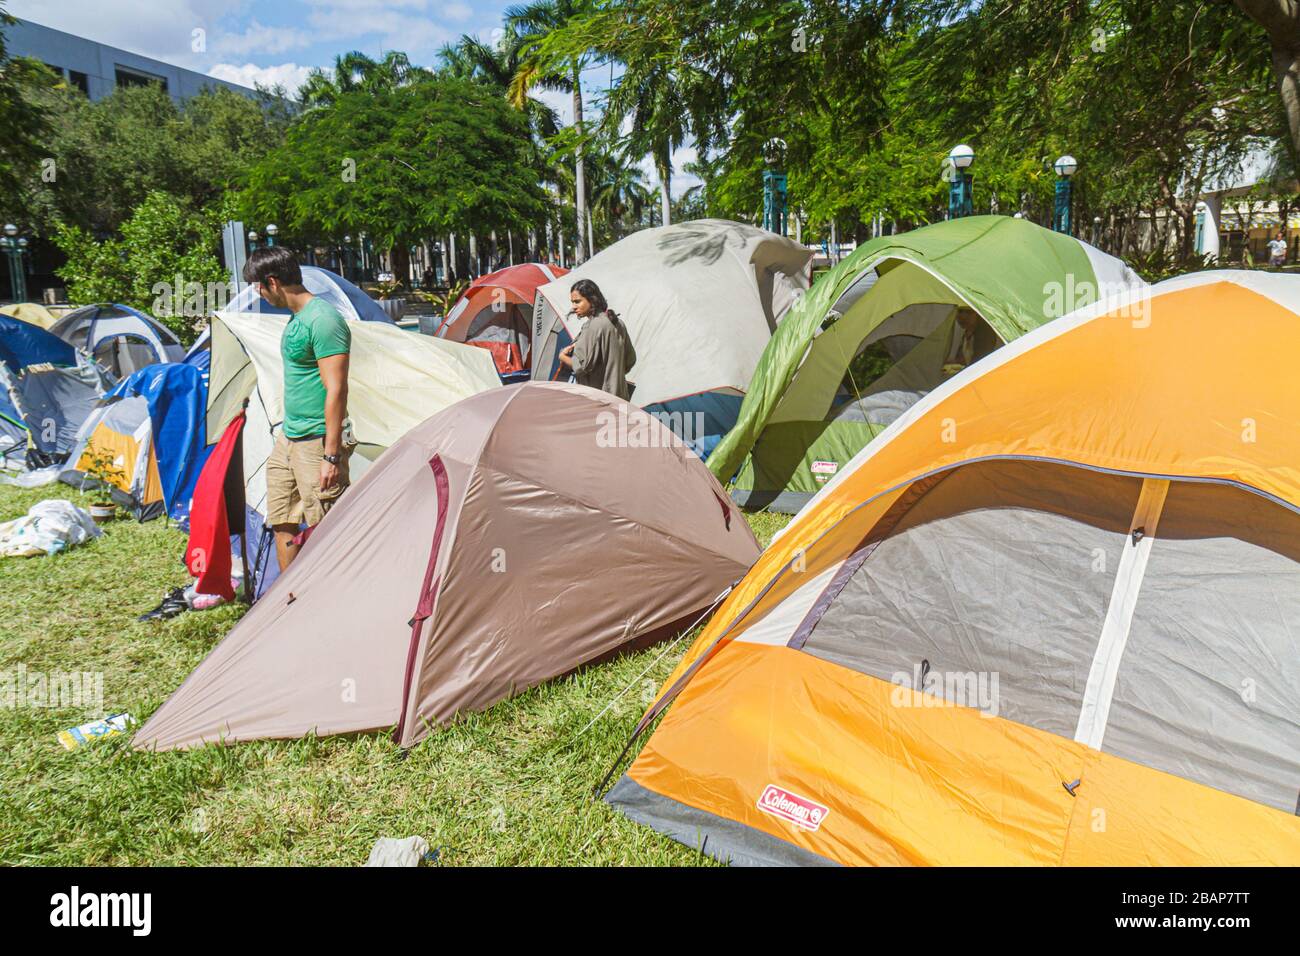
point(252, 239)
point(774, 187)
point(271, 230)
point(1061, 214)
point(14, 247)
point(961, 193)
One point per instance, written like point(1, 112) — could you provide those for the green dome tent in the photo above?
point(883, 328)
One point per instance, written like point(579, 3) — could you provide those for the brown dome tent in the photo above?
point(507, 540)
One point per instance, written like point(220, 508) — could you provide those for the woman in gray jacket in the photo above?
point(602, 353)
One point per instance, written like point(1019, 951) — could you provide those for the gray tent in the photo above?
point(507, 540)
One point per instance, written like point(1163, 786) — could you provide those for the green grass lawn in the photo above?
point(507, 787)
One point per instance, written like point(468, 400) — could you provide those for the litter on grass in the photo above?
point(48, 528)
point(33, 479)
point(389, 851)
point(76, 737)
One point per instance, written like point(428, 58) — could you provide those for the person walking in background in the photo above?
point(602, 353)
point(1277, 251)
point(308, 467)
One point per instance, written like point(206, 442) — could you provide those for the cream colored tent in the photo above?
point(700, 300)
point(503, 542)
point(31, 312)
point(396, 380)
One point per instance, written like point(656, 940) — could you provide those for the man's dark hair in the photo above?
point(273, 262)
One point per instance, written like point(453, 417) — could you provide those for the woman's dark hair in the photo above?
point(591, 292)
point(273, 262)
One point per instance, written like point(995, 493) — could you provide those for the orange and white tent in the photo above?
point(496, 313)
point(1050, 616)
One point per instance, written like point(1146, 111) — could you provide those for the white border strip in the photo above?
point(1097, 696)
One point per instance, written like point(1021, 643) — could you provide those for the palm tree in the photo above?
point(654, 101)
point(618, 191)
point(472, 59)
point(532, 23)
point(354, 72)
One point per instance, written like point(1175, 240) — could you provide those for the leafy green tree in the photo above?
point(1281, 22)
point(497, 66)
point(355, 72)
point(436, 156)
point(109, 155)
point(23, 125)
point(163, 262)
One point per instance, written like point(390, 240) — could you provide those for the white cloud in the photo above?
point(457, 11)
point(257, 38)
point(162, 29)
point(289, 75)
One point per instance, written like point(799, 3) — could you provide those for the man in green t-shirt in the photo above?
point(308, 467)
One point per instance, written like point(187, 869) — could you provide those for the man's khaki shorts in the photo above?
point(293, 492)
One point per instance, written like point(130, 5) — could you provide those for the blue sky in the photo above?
point(266, 40)
point(278, 41)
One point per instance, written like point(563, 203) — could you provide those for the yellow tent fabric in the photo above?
point(122, 432)
point(1174, 407)
point(30, 312)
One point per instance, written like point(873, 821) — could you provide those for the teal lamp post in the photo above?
point(14, 247)
point(961, 192)
point(775, 194)
point(1062, 210)
point(271, 230)
point(252, 239)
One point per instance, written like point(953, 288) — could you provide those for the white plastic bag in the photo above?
point(48, 528)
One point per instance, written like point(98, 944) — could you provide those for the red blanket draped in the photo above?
point(208, 554)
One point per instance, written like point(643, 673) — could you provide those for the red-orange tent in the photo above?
point(496, 311)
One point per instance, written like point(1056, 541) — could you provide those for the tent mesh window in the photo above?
point(1001, 567)
point(1009, 568)
point(1209, 685)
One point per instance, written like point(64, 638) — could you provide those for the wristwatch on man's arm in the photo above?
point(332, 459)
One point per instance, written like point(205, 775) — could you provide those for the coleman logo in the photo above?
point(798, 810)
point(823, 470)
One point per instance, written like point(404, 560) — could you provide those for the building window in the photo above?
point(80, 81)
point(127, 77)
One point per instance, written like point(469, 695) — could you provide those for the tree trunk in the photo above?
point(1281, 21)
point(446, 269)
point(399, 258)
point(473, 256)
point(665, 189)
point(579, 169)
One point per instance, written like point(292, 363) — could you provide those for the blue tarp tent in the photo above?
point(48, 389)
point(23, 344)
point(177, 394)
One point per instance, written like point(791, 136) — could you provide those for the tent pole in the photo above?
point(248, 577)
